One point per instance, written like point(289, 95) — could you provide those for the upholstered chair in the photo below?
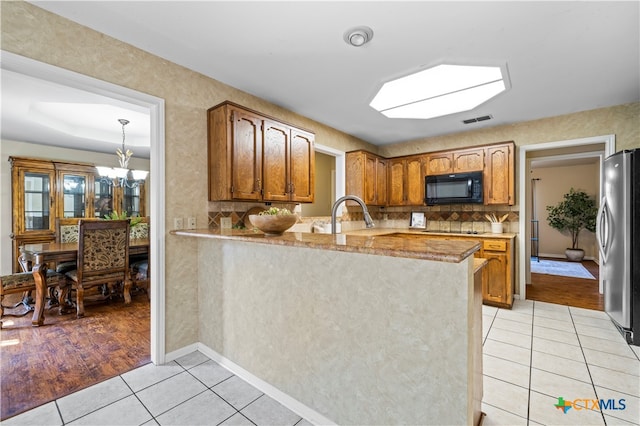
point(24, 282)
point(103, 258)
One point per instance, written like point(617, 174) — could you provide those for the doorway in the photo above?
point(599, 146)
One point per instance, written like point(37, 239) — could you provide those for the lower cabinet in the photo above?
point(498, 274)
point(497, 282)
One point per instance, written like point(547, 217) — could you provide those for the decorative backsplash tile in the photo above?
point(462, 217)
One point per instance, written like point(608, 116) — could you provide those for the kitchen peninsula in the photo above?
point(361, 329)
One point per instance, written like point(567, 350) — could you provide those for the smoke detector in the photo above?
point(358, 36)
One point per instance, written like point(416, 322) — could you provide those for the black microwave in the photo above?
point(454, 188)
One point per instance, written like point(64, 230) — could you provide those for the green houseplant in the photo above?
point(577, 211)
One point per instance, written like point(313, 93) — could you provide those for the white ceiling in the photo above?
point(562, 57)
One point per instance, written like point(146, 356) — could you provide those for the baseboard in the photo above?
point(292, 404)
point(172, 356)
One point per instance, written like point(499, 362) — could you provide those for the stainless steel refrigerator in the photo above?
point(618, 235)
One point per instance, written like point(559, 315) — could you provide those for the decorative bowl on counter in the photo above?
point(273, 224)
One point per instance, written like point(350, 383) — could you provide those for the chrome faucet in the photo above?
point(367, 218)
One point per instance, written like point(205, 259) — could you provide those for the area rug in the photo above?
point(566, 269)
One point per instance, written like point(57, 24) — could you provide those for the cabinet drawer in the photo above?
point(494, 245)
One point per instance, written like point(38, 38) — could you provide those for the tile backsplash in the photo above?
point(457, 218)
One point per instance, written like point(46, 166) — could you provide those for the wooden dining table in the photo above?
point(40, 255)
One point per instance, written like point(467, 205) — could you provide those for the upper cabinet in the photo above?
point(468, 160)
point(405, 175)
point(439, 163)
point(459, 161)
point(406, 181)
point(253, 157)
point(499, 174)
point(366, 177)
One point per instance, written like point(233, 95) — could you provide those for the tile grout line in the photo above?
point(533, 319)
point(584, 357)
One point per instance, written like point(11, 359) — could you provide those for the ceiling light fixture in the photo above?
point(122, 176)
point(358, 36)
point(440, 90)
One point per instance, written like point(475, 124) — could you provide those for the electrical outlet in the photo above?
point(191, 223)
point(225, 223)
point(177, 223)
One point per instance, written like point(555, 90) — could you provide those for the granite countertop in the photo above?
point(453, 251)
point(422, 232)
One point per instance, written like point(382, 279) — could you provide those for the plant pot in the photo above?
point(574, 255)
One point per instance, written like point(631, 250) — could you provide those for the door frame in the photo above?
point(155, 105)
point(524, 189)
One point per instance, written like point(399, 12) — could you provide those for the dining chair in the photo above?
point(139, 264)
point(103, 258)
point(24, 282)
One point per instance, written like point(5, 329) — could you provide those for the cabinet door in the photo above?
point(438, 164)
point(370, 168)
point(499, 175)
point(246, 162)
point(396, 182)
point(302, 153)
point(75, 194)
point(34, 201)
point(495, 283)
point(414, 182)
point(468, 161)
point(275, 161)
point(104, 199)
point(381, 182)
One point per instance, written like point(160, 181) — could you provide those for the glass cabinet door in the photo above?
point(131, 201)
point(37, 201)
point(103, 199)
point(74, 196)
point(74, 193)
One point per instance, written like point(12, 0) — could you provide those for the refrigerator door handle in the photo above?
point(603, 224)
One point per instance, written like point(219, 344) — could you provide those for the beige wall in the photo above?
point(325, 167)
point(621, 120)
point(549, 190)
point(32, 32)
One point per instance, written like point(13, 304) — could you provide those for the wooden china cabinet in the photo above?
point(43, 190)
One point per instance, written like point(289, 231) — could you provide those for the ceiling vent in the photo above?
point(477, 119)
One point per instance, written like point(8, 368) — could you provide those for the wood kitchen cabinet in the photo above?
point(253, 157)
point(406, 181)
point(497, 288)
point(366, 177)
point(468, 160)
point(439, 163)
point(499, 174)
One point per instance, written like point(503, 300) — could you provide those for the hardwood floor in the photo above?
point(40, 364)
point(578, 292)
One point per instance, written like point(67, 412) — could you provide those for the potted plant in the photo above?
point(576, 212)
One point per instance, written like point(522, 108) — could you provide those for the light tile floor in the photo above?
point(533, 354)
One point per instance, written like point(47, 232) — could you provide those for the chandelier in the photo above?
point(122, 176)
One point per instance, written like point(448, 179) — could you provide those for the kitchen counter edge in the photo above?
point(452, 251)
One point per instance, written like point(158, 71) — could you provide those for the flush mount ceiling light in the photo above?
point(441, 90)
point(358, 36)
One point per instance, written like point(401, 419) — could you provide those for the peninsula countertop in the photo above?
point(453, 251)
